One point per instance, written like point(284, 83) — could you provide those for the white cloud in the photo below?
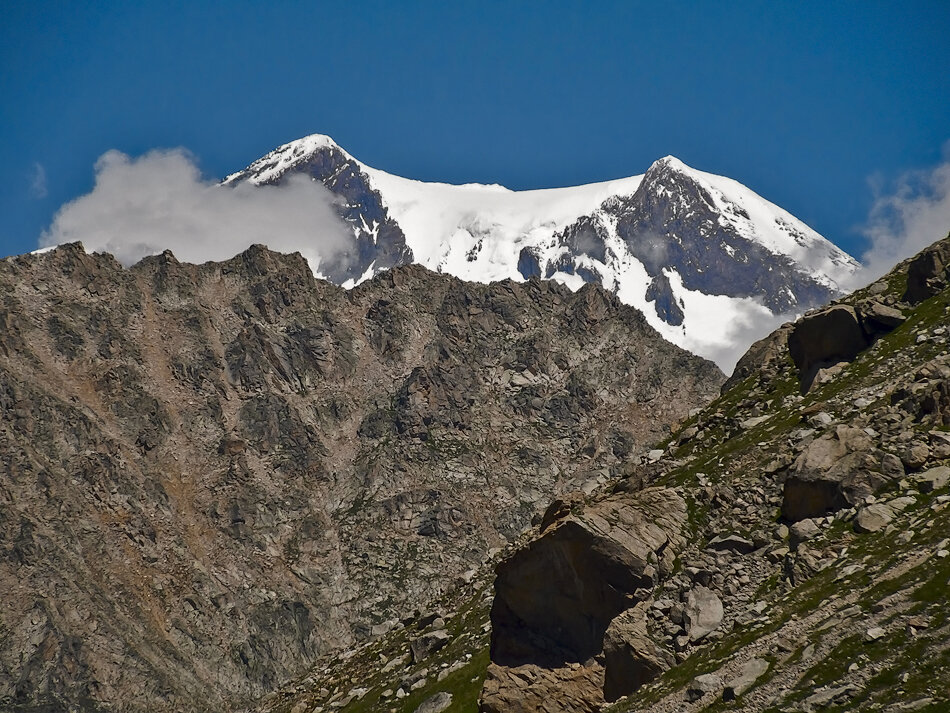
point(158, 202)
point(38, 187)
point(911, 217)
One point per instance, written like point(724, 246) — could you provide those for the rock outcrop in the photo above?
point(838, 470)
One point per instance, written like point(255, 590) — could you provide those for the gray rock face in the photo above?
point(703, 612)
point(382, 247)
point(833, 472)
point(685, 234)
point(216, 474)
point(751, 671)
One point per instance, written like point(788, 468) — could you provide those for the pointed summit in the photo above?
point(287, 157)
point(670, 162)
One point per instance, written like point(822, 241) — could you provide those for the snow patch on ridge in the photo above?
point(443, 222)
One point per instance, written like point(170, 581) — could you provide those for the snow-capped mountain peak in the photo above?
point(270, 168)
point(710, 263)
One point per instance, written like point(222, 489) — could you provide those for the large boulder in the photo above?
point(702, 613)
point(578, 591)
point(555, 597)
point(833, 335)
point(833, 472)
point(928, 272)
point(879, 319)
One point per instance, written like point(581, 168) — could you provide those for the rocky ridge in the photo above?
point(217, 476)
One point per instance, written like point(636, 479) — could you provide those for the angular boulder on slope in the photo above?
point(825, 338)
point(577, 591)
point(631, 657)
point(555, 598)
point(833, 472)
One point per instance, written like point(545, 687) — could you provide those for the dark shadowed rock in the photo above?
point(927, 273)
point(555, 598)
point(825, 338)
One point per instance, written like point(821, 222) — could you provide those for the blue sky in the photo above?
point(808, 103)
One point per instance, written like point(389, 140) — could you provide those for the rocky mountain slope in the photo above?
point(786, 549)
point(214, 476)
point(706, 259)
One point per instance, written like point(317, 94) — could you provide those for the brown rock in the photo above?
point(555, 598)
point(571, 688)
point(631, 657)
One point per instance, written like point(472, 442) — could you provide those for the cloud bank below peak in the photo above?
point(159, 201)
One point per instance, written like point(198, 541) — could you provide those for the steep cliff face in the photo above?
point(213, 475)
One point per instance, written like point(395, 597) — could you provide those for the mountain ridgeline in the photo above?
point(215, 475)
